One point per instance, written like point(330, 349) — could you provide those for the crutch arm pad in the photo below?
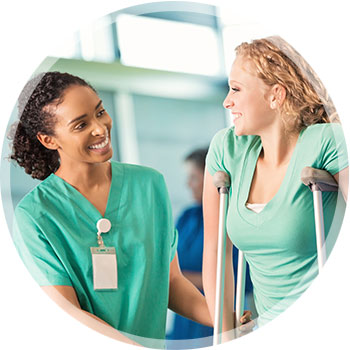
point(221, 179)
point(318, 179)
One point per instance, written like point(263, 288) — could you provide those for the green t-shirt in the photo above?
point(55, 227)
point(280, 243)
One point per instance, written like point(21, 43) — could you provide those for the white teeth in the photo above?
point(101, 145)
point(236, 115)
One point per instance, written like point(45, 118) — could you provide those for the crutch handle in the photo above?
point(318, 180)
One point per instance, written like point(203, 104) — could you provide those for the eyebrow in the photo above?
point(84, 115)
point(234, 81)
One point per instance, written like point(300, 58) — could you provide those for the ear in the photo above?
point(278, 95)
point(47, 141)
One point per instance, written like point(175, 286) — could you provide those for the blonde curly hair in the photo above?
point(307, 101)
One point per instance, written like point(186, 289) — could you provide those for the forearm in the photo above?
point(65, 297)
point(186, 300)
point(209, 284)
point(209, 280)
point(97, 324)
point(194, 277)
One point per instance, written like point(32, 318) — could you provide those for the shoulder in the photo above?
point(326, 137)
point(324, 131)
point(222, 134)
point(34, 201)
point(228, 143)
point(227, 148)
point(223, 137)
point(227, 135)
point(327, 141)
point(139, 178)
point(136, 172)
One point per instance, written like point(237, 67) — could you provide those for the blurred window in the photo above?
point(168, 45)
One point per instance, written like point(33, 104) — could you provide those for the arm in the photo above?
point(194, 277)
point(211, 222)
point(184, 298)
point(343, 181)
point(66, 298)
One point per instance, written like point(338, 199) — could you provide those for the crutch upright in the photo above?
point(222, 182)
point(319, 181)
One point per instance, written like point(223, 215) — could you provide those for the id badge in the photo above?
point(104, 265)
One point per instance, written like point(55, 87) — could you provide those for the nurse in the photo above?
point(282, 122)
point(63, 138)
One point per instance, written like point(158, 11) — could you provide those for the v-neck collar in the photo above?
point(246, 179)
point(117, 177)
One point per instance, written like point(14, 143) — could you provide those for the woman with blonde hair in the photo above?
point(283, 121)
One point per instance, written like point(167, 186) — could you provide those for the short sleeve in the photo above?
point(333, 149)
point(172, 231)
point(215, 157)
point(174, 244)
point(36, 252)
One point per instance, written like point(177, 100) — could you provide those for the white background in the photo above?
point(317, 29)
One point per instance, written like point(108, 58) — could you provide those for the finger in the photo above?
point(247, 316)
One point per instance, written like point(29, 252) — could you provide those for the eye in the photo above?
point(235, 89)
point(101, 112)
point(80, 126)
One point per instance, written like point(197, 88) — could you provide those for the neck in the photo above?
point(84, 176)
point(278, 146)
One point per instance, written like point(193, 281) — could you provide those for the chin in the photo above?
point(108, 156)
point(239, 132)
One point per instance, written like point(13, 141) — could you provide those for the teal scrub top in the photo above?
point(55, 226)
point(279, 243)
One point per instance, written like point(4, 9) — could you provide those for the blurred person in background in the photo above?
point(190, 247)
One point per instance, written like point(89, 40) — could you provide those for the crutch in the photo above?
point(222, 182)
point(240, 289)
point(319, 181)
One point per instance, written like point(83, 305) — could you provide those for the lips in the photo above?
point(236, 116)
point(100, 145)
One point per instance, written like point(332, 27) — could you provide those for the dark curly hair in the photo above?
point(41, 92)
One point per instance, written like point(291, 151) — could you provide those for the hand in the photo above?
point(247, 324)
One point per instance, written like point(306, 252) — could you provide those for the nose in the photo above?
point(98, 128)
point(228, 103)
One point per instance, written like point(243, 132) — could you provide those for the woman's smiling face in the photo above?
point(82, 129)
point(248, 99)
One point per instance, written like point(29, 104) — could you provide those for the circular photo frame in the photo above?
point(140, 94)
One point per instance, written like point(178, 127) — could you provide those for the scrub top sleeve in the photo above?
point(333, 149)
point(36, 252)
point(174, 244)
point(215, 157)
point(173, 234)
